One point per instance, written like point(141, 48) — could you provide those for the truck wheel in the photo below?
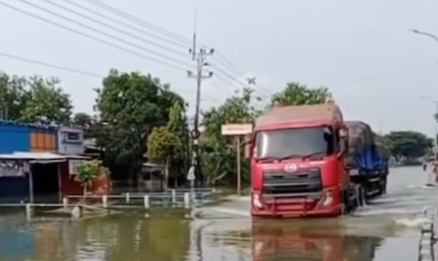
point(361, 195)
point(384, 186)
point(345, 203)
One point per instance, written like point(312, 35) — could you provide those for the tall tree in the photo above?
point(168, 145)
point(219, 152)
point(407, 144)
point(300, 94)
point(84, 121)
point(44, 99)
point(130, 105)
point(12, 96)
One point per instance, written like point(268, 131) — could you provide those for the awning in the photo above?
point(40, 157)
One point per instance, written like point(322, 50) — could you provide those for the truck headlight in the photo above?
point(328, 199)
point(256, 201)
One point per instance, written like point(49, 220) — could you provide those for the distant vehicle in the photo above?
point(302, 157)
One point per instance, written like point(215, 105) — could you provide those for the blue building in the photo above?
point(19, 137)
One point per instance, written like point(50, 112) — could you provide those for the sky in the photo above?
point(363, 50)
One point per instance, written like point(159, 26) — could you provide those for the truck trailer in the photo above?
point(367, 160)
point(299, 157)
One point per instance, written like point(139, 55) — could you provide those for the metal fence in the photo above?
point(427, 242)
point(186, 198)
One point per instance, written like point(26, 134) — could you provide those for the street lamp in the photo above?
point(435, 38)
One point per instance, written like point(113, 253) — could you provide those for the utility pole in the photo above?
point(200, 57)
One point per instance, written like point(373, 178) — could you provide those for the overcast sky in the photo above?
point(361, 50)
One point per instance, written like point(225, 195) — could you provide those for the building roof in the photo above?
point(28, 125)
point(39, 156)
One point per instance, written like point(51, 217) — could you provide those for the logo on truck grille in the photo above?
point(290, 167)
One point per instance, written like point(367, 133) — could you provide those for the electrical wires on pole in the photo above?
point(200, 56)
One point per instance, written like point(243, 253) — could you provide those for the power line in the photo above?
point(121, 31)
point(117, 38)
point(230, 64)
point(225, 62)
point(51, 65)
point(98, 31)
point(141, 22)
point(127, 25)
point(68, 69)
point(112, 27)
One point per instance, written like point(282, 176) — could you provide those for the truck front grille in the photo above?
point(299, 182)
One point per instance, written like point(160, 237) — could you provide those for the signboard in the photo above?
point(70, 141)
point(236, 129)
point(13, 168)
point(73, 165)
point(191, 173)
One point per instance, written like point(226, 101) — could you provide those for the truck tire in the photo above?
point(361, 195)
point(345, 204)
point(383, 186)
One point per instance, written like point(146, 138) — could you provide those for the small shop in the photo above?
point(34, 176)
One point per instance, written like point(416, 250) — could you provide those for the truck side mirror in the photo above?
point(343, 141)
point(343, 146)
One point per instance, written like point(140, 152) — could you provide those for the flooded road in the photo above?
point(386, 229)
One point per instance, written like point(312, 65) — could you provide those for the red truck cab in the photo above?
point(297, 165)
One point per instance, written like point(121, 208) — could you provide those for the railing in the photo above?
point(428, 239)
point(175, 198)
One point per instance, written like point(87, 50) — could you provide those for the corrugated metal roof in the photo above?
point(28, 125)
point(39, 156)
point(280, 114)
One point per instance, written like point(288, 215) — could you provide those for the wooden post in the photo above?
point(65, 202)
point(60, 181)
point(173, 196)
point(187, 200)
point(29, 211)
point(30, 185)
point(239, 178)
point(105, 201)
point(146, 202)
point(128, 197)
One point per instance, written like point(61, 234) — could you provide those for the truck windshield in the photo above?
point(298, 142)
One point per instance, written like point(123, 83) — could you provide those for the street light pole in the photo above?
point(435, 116)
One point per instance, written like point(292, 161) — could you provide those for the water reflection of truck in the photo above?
point(288, 242)
point(301, 160)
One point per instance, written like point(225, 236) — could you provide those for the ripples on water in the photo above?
point(383, 230)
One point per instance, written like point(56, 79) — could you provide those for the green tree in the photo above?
point(162, 145)
point(130, 105)
point(84, 121)
point(88, 171)
point(33, 99)
point(12, 96)
point(219, 152)
point(45, 100)
point(168, 144)
point(300, 94)
point(178, 126)
point(407, 144)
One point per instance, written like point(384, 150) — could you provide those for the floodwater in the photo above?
point(386, 229)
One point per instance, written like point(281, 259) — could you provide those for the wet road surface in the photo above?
point(386, 229)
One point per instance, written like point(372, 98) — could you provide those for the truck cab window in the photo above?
point(299, 142)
